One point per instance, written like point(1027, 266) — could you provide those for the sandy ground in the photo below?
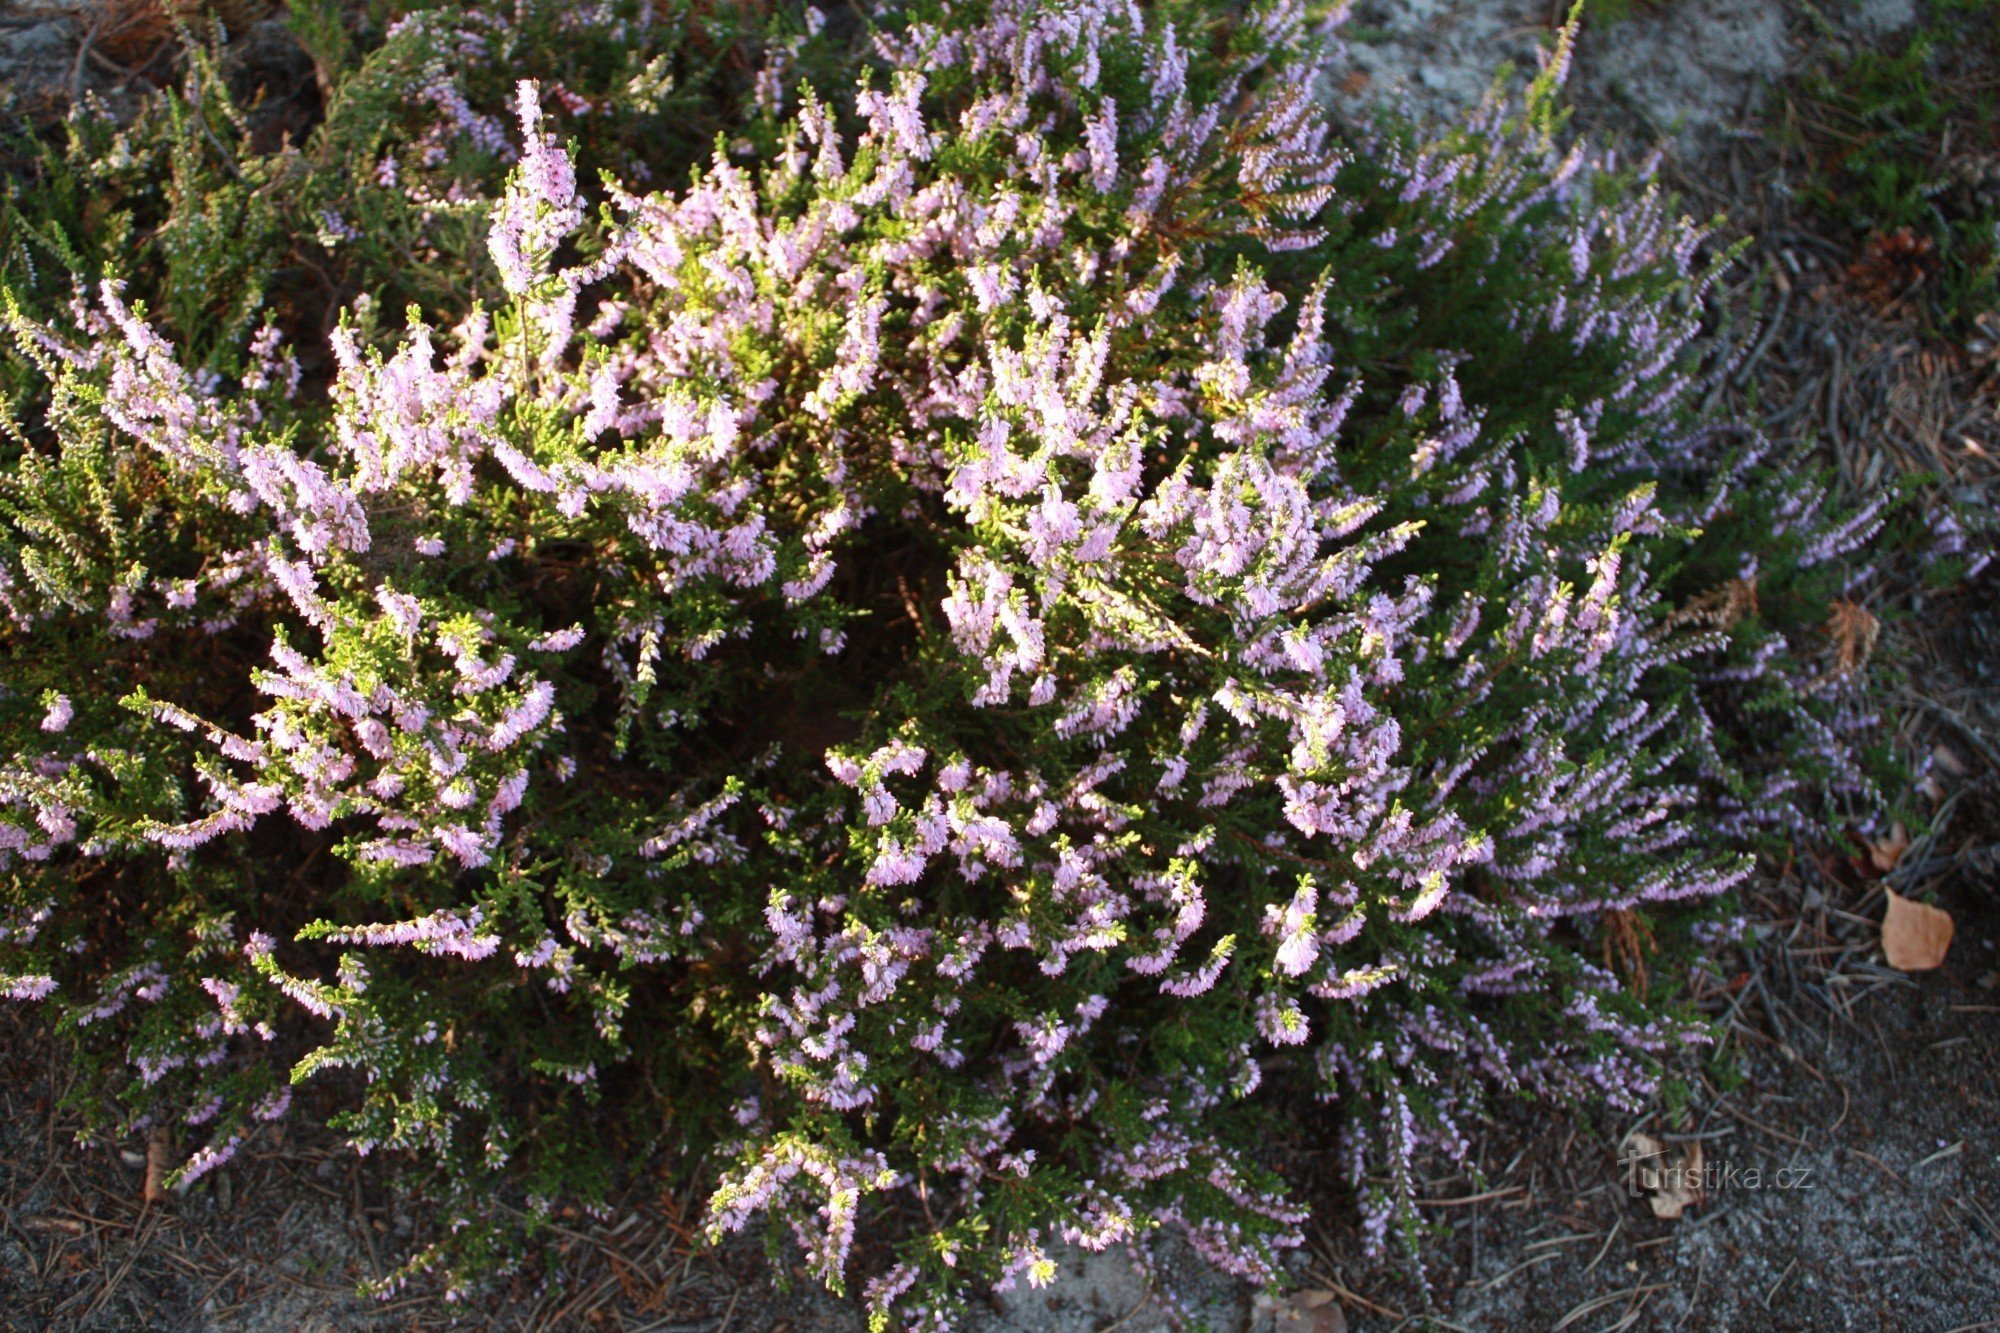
point(1853, 1173)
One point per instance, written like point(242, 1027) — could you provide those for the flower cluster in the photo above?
point(965, 631)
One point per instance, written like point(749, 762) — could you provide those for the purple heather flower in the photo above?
point(59, 714)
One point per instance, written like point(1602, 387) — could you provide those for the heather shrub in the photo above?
point(1042, 610)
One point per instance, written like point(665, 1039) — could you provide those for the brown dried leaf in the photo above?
point(159, 1161)
point(1671, 1179)
point(1316, 1311)
point(1886, 851)
point(1681, 1186)
point(1915, 935)
point(1947, 759)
